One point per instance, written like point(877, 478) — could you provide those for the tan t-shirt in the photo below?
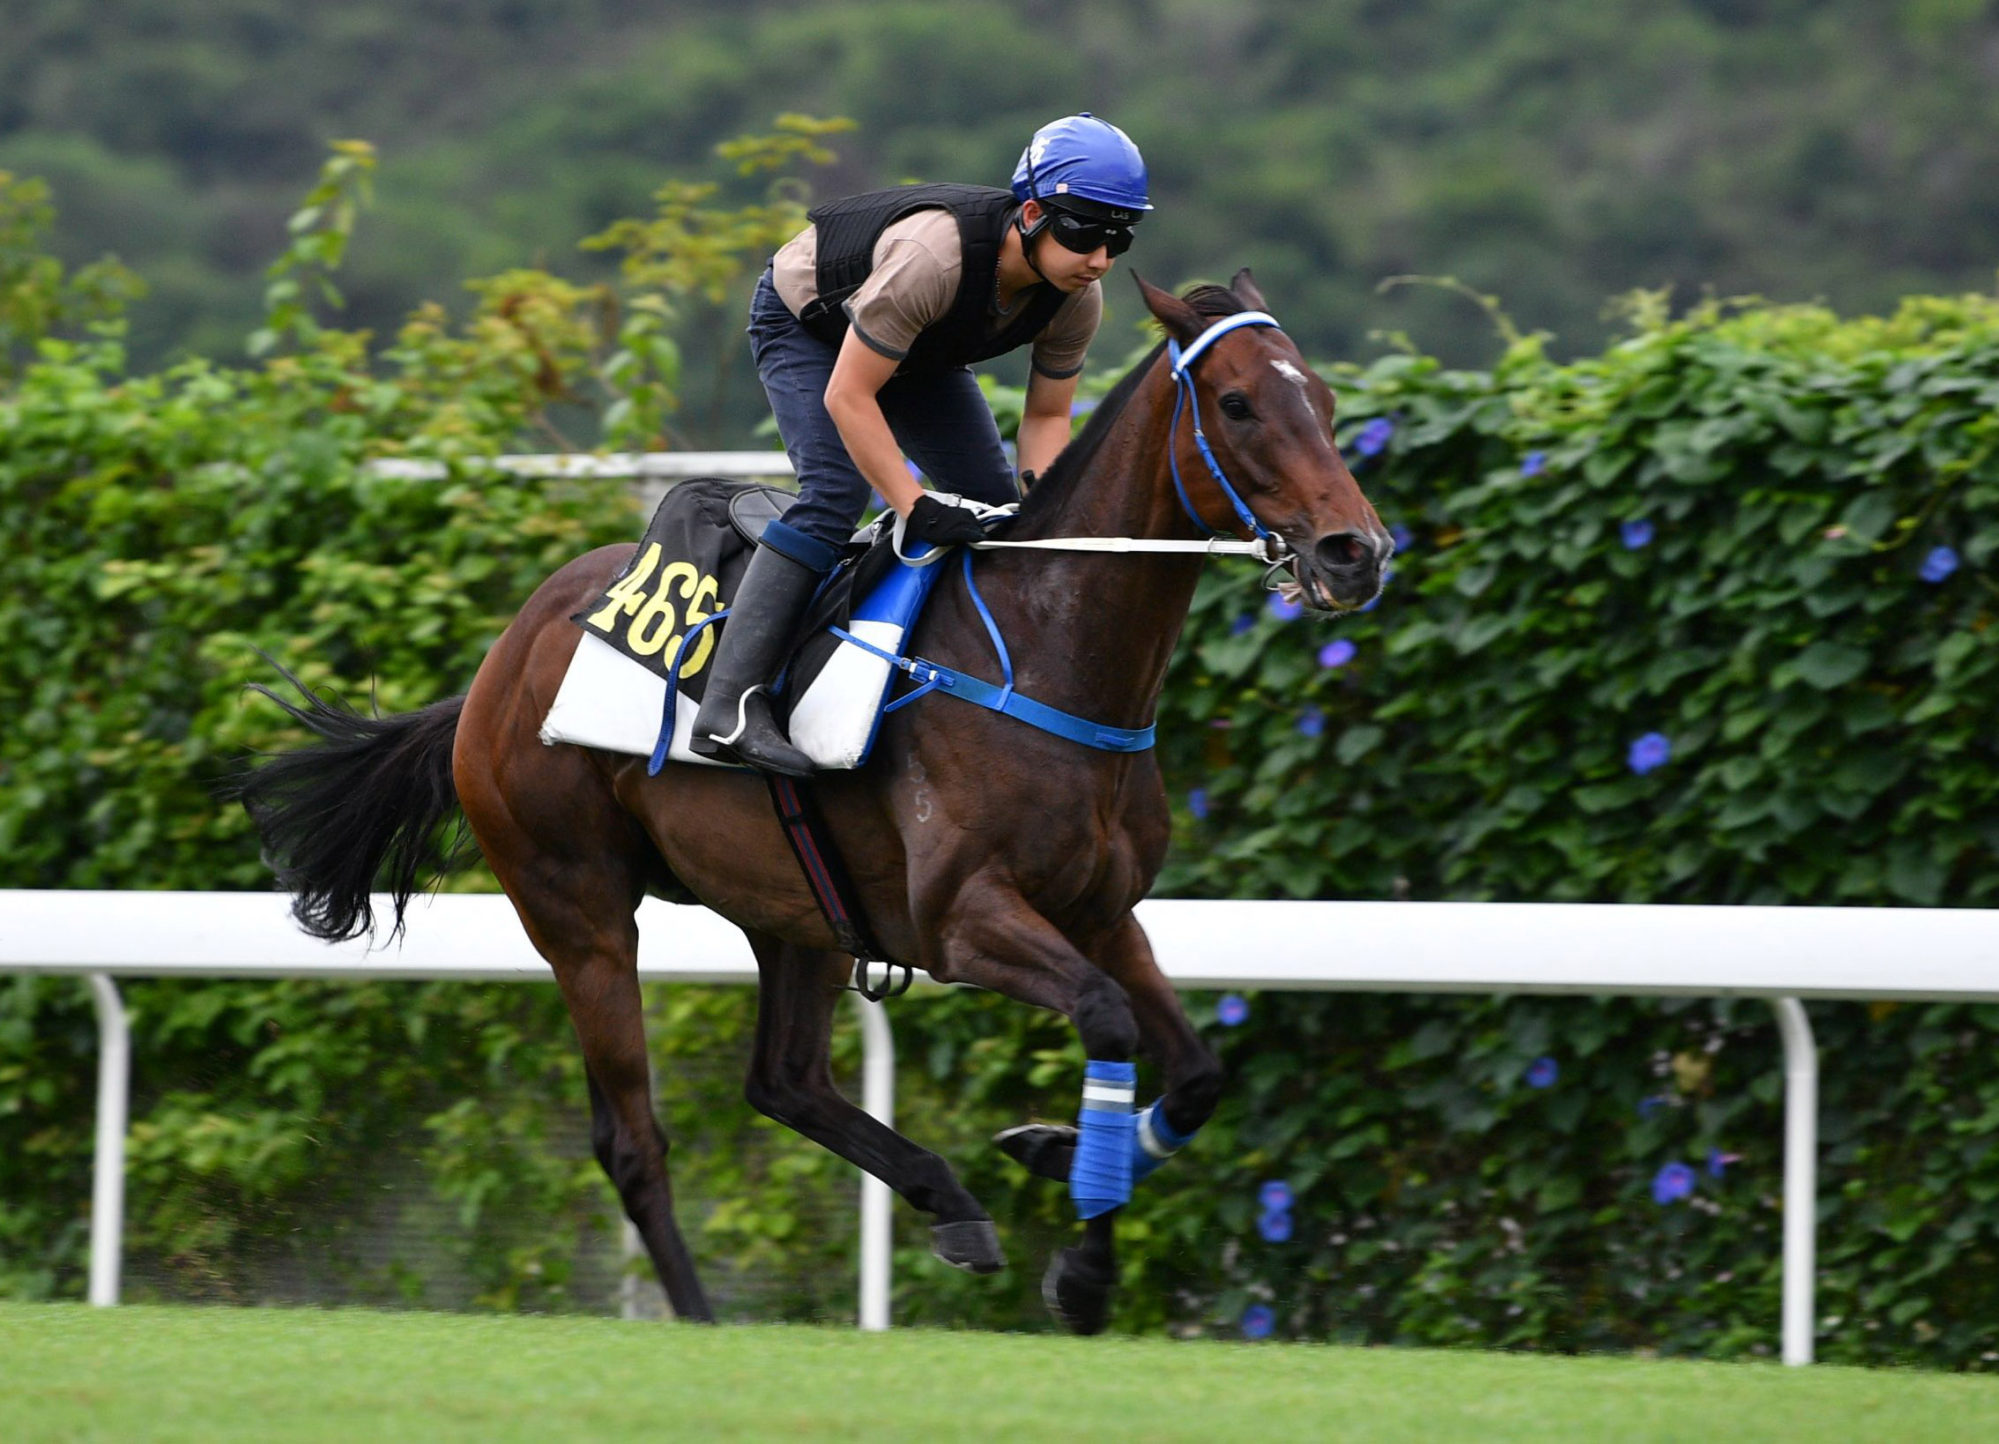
point(918, 261)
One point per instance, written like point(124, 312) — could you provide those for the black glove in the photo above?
point(941, 524)
point(1027, 481)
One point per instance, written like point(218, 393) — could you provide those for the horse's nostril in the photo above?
point(1343, 551)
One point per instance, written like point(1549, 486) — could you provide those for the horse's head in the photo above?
point(1268, 421)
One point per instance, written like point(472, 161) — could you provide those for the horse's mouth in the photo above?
point(1309, 587)
point(1338, 572)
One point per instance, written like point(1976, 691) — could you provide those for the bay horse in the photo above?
point(982, 850)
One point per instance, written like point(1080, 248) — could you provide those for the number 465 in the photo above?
point(655, 622)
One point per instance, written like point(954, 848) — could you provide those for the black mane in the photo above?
point(1212, 302)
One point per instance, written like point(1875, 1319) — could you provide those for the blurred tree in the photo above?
point(1555, 153)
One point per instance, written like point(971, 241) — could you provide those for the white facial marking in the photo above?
point(1289, 372)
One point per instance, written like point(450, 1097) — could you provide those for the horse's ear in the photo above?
point(1244, 286)
point(1182, 321)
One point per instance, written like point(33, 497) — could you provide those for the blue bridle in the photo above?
point(1184, 397)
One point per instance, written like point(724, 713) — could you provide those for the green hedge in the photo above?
point(1762, 538)
point(1817, 701)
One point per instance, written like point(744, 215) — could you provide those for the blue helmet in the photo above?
point(1082, 158)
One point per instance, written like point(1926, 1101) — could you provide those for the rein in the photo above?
point(1268, 548)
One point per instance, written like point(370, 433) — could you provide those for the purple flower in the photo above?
point(1282, 610)
point(1012, 453)
point(1672, 1183)
point(1311, 723)
point(1232, 1011)
point(1533, 463)
point(1717, 1161)
point(914, 470)
point(1275, 1196)
point(1258, 1321)
point(1940, 563)
point(1275, 1226)
point(1649, 753)
point(1374, 437)
point(1082, 406)
point(1402, 537)
point(1648, 1106)
point(1337, 653)
point(1542, 1072)
point(1241, 624)
point(1636, 534)
point(1197, 803)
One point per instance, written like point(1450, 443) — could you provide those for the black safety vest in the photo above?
point(848, 230)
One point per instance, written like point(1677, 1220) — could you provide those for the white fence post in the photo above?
point(1801, 1193)
point(878, 1098)
point(107, 1190)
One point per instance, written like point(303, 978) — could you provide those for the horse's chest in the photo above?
point(1062, 850)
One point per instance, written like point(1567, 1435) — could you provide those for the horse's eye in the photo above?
point(1235, 406)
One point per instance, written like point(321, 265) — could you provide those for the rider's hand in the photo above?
point(1027, 481)
point(942, 525)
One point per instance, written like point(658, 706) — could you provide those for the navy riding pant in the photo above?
point(939, 418)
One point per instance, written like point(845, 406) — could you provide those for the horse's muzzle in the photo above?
point(1342, 570)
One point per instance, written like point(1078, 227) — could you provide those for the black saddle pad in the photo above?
point(688, 566)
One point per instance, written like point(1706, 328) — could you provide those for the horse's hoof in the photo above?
point(1077, 1292)
point(971, 1244)
point(1044, 1149)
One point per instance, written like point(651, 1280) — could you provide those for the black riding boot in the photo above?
point(735, 720)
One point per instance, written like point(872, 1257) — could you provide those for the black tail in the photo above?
point(372, 795)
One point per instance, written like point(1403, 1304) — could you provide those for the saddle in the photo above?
point(640, 670)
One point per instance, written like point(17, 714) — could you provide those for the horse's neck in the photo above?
point(1104, 625)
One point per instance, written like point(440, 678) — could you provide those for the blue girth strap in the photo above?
point(1003, 699)
point(1184, 398)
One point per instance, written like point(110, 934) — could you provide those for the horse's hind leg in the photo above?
point(791, 1080)
point(576, 866)
point(604, 1003)
point(575, 878)
point(594, 952)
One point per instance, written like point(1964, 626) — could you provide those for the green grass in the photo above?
point(74, 1373)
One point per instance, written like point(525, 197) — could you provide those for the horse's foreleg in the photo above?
point(1190, 1072)
point(791, 1080)
point(997, 941)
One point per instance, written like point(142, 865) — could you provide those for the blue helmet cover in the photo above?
point(1085, 158)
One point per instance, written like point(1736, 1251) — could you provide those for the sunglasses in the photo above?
point(1083, 234)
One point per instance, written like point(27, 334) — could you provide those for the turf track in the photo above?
point(73, 1373)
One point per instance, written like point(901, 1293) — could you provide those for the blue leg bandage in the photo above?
point(1100, 1178)
point(1153, 1141)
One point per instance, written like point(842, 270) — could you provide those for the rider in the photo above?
point(864, 328)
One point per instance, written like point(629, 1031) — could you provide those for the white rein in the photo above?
point(1220, 546)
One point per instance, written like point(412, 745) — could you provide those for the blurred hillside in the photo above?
point(1554, 154)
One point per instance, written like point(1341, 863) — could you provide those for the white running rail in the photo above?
point(1782, 954)
point(637, 465)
